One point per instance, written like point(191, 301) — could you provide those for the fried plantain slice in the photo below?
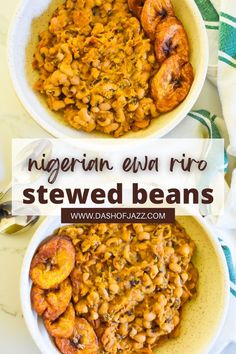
point(153, 13)
point(171, 84)
point(82, 341)
point(64, 325)
point(53, 262)
point(171, 39)
point(136, 6)
point(51, 303)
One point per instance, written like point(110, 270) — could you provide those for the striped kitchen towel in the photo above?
point(220, 21)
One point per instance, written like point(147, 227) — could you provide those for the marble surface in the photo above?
point(16, 123)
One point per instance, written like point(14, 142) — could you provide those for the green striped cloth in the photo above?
point(220, 21)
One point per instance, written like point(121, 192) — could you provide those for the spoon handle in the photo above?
point(5, 190)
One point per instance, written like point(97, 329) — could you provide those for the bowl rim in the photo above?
point(61, 133)
point(37, 240)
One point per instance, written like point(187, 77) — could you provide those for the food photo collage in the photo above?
point(118, 177)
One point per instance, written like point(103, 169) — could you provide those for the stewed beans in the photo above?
point(129, 284)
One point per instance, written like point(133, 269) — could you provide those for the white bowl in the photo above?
point(22, 40)
point(203, 316)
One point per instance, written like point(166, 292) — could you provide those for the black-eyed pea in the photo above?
point(157, 307)
point(174, 258)
point(123, 329)
point(139, 65)
point(105, 106)
point(138, 228)
point(101, 249)
point(184, 276)
point(159, 280)
point(96, 99)
point(96, 63)
point(81, 307)
point(114, 288)
point(162, 300)
point(153, 271)
point(84, 289)
point(154, 111)
point(178, 280)
point(176, 320)
point(133, 332)
point(140, 337)
point(178, 292)
point(66, 69)
point(108, 255)
point(148, 289)
point(114, 241)
point(49, 67)
point(68, 100)
point(152, 340)
point(93, 298)
point(149, 316)
point(120, 115)
point(43, 51)
point(137, 346)
point(142, 124)
point(57, 105)
point(140, 93)
point(85, 277)
point(75, 80)
point(93, 315)
point(167, 327)
point(85, 99)
point(98, 28)
point(53, 91)
point(146, 280)
point(176, 268)
point(95, 109)
point(151, 59)
point(132, 107)
point(142, 236)
point(127, 318)
point(95, 73)
point(52, 51)
point(103, 292)
point(128, 50)
point(111, 128)
point(119, 263)
point(184, 250)
point(103, 309)
point(139, 114)
point(138, 295)
point(58, 78)
point(147, 324)
point(138, 324)
point(60, 56)
point(104, 122)
point(150, 333)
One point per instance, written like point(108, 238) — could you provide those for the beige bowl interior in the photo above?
point(32, 20)
point(202, 317)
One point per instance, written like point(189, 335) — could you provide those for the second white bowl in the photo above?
point(30, 20)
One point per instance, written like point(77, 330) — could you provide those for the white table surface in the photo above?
point(16, 123)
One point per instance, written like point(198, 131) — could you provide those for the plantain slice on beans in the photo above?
point(51, 303)
point(82, 341)
point(53, 262)
point(63, 326)
point(171, 84)
point(171, 39)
